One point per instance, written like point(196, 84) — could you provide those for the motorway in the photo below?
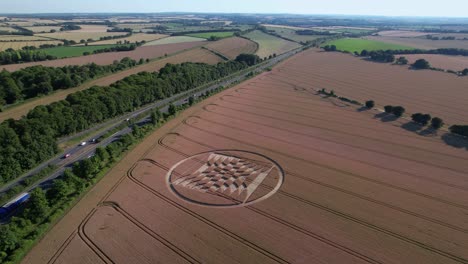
point(78, 153)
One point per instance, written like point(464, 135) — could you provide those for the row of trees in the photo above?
point(39, 80)
point(26, 142)
point(11, 56)
point(424, 119)
point(118, 48)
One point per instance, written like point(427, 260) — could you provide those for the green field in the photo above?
point(207, 35)
point(67, 51)
point(356, 44)
point(269, 45)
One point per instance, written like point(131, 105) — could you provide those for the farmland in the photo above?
point(357, 45)
point(67, 51)
point(446, 62)
point(173, 40)
point(422, 43)
point(43, 29)
point(194, 55)
point(291, 34)
point(207, 35)
point(269, 45)
point(444, 94)
point(78, 36)
point(4, 45)
point(146, 52)
point(325, 183)
point(132, 39)
point(232, 47)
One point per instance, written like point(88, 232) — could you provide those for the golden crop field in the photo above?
point(19, 38)
point(133, 38)
point(7, 29)
point(20, 44)
point(41, 29)
point(77, 36)
point(92, 28)
point(137, 26)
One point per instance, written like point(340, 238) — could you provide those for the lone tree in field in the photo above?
point(402, 61)
point(422, 119)
point(421, 64)
point(398, 111)
point(370, 104)
point(388, 109)
point(437, 123)
point(465, 72)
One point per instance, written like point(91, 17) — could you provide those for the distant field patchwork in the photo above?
point(207, 35)
point(173, 40)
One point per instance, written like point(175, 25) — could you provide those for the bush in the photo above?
point(370, 104)
point(388, 109)
point(398, 111)
point(402, 61)
point(422, 119)
point(465, 72)
point(459, 129)
point(421, 64)
point(437, 123)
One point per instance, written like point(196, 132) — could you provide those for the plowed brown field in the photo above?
point(146, 52)
point(195, 55)
point(355, 189)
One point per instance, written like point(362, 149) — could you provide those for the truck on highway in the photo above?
point(13, 204)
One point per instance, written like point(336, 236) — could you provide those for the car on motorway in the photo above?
point(83, 143)
point(67, 155)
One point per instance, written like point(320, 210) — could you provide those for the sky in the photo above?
point(446, 8)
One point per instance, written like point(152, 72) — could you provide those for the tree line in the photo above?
point(45, 206)
point(31, 140)
point(39, 80)
point(11, 56)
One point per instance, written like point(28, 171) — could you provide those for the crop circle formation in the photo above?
point(225, 178)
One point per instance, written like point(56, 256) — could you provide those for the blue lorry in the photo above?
point(13, 204)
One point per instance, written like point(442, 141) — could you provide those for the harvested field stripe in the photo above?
point(200, 217)
point(462, 206)
point(322, 239)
